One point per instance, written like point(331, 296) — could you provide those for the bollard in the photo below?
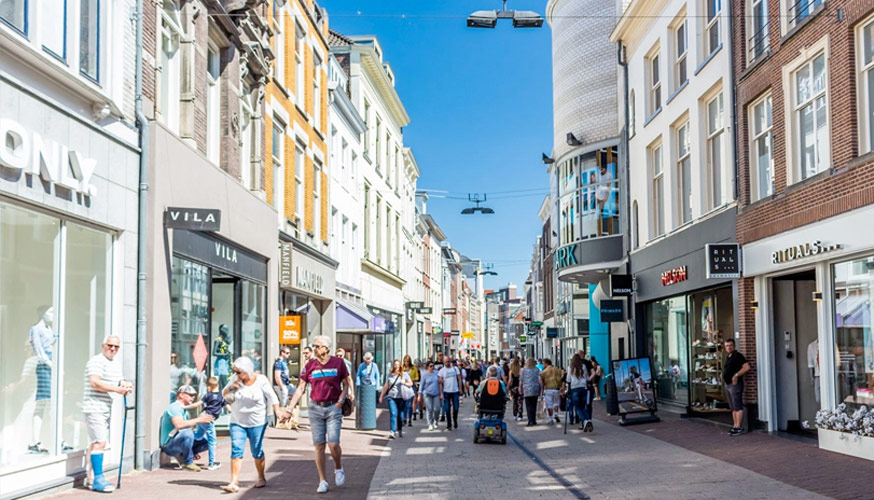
point(365, 413)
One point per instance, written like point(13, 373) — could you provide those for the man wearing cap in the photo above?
point(177, 435)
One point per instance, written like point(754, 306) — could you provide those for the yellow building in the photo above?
point(296, 163)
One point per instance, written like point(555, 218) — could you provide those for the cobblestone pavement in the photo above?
point(610, 463)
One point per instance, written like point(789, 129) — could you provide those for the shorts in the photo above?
point(735, 396)
point(325, 423)
point(43, 381)
point(552, 398)
point(255, 435)
point(98, 427)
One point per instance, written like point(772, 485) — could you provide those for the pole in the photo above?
point(121, 454)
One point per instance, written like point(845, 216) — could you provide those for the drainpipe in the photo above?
point(624, 64)
point(142, 227)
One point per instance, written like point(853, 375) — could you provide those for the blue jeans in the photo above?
point(185, 444)
point(408, 409)
point(397, 409)
point(580, 400)
point(450, 398)
point(207, 431)
point(255, 435)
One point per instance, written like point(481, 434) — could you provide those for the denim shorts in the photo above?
point(325, 423)
point(255, 435)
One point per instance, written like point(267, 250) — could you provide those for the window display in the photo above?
point(667, 322)
point(854, 294)
point(190, 309)
point(712, 321)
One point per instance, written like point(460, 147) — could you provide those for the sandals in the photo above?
point(231, 488)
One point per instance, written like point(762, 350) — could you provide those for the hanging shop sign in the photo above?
point(551, 333)
point(193, 219)
point(425, 310)
point(290, 329)
point(455, 333)
point(415, 305)
point(30, 153)
point(674, 276)
point(723, 260)
point(448, 310)
point(612, 311)
point(802, 250)
point(467, 335)
point(620, 285)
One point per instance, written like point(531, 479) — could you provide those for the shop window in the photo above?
point(670, 347)
point(253, 309)
point(711, 321)
point(854, 299)
point(189, 340)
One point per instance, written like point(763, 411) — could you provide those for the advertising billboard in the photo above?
point(635, 388)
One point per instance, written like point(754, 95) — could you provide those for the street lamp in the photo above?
point(489, 18)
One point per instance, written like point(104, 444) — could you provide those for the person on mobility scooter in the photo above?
point(491, 396)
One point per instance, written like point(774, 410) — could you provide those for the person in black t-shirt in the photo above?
point(736, 366)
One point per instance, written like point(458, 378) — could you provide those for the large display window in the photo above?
point(854, 297)
point(55, 309)
point(668, 320)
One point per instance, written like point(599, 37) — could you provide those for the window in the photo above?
point(635, 226)
point(367, 217)
point(278, 141)
point(854, 294)
point(389, 243)
point(367, 124)
point(715, 174)
point(246, 138)
point(799, 10)
point(657, 206)
point(655, 85)
point(89, 36)
point(711, 29)
point(757, 22)
point(397, 234)
point(377, 151)
point(171, 35)
point(397, 168)
point(683, 174)
point(317, 203)
point(213, 103)
point(53, 26)
point(811, 116)
point(317, 91)
point(299, 162)
point(14, 13)
point(866, 85)
point(761, 160)
point(378, 224)
point(299, 44)
point(631, 110)
point(278, 65)
point(682, 39)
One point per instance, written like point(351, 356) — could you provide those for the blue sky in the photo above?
point(480, 103)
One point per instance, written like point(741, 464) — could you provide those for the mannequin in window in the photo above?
point(813, 366)
point(221, 350)
point(42, 341)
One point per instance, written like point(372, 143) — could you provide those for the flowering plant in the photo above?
point(859, 423)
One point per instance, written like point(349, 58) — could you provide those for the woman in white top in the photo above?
point(397, 383)
point(577, 381)
point(249, 396)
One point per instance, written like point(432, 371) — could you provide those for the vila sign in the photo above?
point(35, 155)
point(193, 219)
point(674, 276)
point(801, 251)
point(723, 260)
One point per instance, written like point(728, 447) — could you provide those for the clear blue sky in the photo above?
point(480, 103)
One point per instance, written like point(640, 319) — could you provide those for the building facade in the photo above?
point(804, 122)
point(69, 166)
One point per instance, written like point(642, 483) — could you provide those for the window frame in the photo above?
point(711, 23)
point(63, 55)
point(715, 179)
point(681, 59)
point(213, 103)
point(865, 86)
point(246, 136)
point(657, 190)
point(299, 70)
point(299, 190)
point(806, 61)
point(95, 78)
point(169, 101)
point(277, 137)
point(317, 202)
point(765, 30)
point(766, 100)
point(683, 155)
point(792, 18)
point(317, 90)
point(654, 82)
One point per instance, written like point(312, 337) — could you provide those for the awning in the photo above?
point(351, 317)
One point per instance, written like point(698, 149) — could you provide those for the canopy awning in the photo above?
point(351, 317)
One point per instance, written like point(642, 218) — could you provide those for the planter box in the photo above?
point(846, 443)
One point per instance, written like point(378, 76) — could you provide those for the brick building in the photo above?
point(806, 202)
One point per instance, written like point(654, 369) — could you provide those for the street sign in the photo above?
point(537, 324)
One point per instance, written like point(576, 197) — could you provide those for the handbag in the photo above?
point(347, 408)
point(407, 392)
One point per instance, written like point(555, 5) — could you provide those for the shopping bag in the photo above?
point(541, 408)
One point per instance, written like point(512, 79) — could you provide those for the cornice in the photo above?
point(637, 20)
point(372, 64)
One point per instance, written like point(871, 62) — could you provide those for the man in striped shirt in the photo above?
point(102, 378)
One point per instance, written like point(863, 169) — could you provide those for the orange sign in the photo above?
point(290, 329)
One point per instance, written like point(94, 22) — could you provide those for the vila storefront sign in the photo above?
point(193, 219)
point(802, 250)
point(723, 260)
point(290, 329)
point(674, 276)
point(204, 247)
point(54, 163)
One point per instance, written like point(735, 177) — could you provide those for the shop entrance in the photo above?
point(796, 350)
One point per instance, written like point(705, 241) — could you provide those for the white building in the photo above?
point(411, 258)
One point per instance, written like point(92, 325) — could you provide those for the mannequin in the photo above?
point(42, 340)
point(813, 366)
point(221, 349)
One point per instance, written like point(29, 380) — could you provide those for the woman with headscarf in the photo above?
point(249, 395)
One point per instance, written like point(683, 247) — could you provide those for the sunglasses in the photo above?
point(112, 346)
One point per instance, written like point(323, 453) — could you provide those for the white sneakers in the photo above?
point(323, 487)
point(391, 434)
point(339, 477)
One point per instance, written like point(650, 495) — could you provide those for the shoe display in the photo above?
point(323, 487)
point(214, 466)
point(339, 477)
point(36, 448)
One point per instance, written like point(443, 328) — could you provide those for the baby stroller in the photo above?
point(490, 423)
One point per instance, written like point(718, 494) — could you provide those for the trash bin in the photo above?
point(365, 413)
point(612, 397)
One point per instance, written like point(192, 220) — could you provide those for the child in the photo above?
point(213, 402)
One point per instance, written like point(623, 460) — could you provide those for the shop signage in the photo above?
point(420, 327)
point(285, 265)
point(309, 281)
point(620, 285)
point(566, 256)
point(551, 333)
point(193, 219)
point(409, 314)
point(446, 334)
point(467, 335)
point(675, 275)
point(455, 333)
point(523, 338)
point(802, 250)
point(612, 311)
point(425, 310)
point(30, 153)
point(212, 251)
point(415, 305)
point(448, 310)
point(536, 324)
point(723, 260)
point(290, 329)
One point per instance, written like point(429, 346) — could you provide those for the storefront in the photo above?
point(68, 237)
point(683, 318)
point(307, 279)
point(814, 289)
point(363, 329)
